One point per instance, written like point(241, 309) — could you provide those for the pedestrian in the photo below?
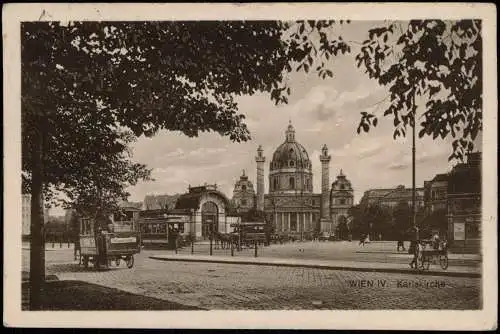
point(416, 251)
point(362, 240)
point(435, 241)
point(401, 244)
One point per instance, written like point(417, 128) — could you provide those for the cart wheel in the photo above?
point(420, 263)
point(117, 262)
point(130, 261)
point(443, 261)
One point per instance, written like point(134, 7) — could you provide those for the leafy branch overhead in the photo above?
point(434, 61)
point(92, 87)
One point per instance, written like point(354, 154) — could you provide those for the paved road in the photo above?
point(221, 286)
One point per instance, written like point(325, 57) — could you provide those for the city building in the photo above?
point(244, 197)
point(436, 193)
point(390, 197)
point(209, 209)
point(290, 203)
point(464, 205)
point(26, 215)
point(196, 213)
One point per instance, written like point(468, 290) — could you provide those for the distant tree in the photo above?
point(436, 220)
point(343, 228)
point(402, 218)
point(359, 224)
point(377, 220)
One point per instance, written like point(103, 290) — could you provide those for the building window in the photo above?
point(243, 187)
point(292, 183)
point(342, 187)
point(292, 164)
point(243, 202)
point(181, 227)
point(342, 201)
point(275, 183)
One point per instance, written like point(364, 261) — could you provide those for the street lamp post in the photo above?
point(414, 191)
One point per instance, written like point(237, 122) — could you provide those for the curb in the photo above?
point(324, 266)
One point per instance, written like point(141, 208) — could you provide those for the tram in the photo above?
point(161, 232)
point(250, 232)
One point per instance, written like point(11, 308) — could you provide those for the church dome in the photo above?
point(290, 170)
point(290, 154)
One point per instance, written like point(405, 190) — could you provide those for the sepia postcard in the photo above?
point(278, 165)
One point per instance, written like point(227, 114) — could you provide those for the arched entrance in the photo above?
point(209, 219)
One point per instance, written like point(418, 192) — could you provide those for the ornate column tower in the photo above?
point(260, 159)
point(325, 221)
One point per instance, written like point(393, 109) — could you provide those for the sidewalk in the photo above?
point(434, 270)
point(48, 246)
point(451, 256)
point(78, 295)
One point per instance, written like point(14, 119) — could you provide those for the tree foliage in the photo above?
point(436, 220)
point(431, 60)
point(93, 87)
point(402, 218)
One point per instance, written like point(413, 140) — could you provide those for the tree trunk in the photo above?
point(37, 248)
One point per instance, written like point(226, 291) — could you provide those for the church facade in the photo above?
point(290, 202)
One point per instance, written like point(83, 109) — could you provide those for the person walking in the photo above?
point(362, 240)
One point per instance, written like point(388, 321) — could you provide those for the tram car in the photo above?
point(250, 232)
point(162, 232)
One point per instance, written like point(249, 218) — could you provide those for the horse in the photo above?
point(224, 239)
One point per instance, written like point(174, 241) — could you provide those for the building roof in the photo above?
point(403, 193)
point(290, 150)
point(398, 192)
point(440, 177)
point(377, 192)
point(191, 200)
point(131, 205)
point(243, 185)
point(156, 202)
point(342, 179)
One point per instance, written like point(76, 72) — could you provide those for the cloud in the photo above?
point(398, 166)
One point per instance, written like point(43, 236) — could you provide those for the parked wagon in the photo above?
point(433, 253)
point(103, 248)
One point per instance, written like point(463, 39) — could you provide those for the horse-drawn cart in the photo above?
point(105, 247)
point(433, 253)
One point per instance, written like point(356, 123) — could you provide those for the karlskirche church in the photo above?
point(290, 203)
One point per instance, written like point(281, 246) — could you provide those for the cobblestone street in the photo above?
point(224, 286)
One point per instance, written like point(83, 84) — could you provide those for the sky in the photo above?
point(322, 112)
